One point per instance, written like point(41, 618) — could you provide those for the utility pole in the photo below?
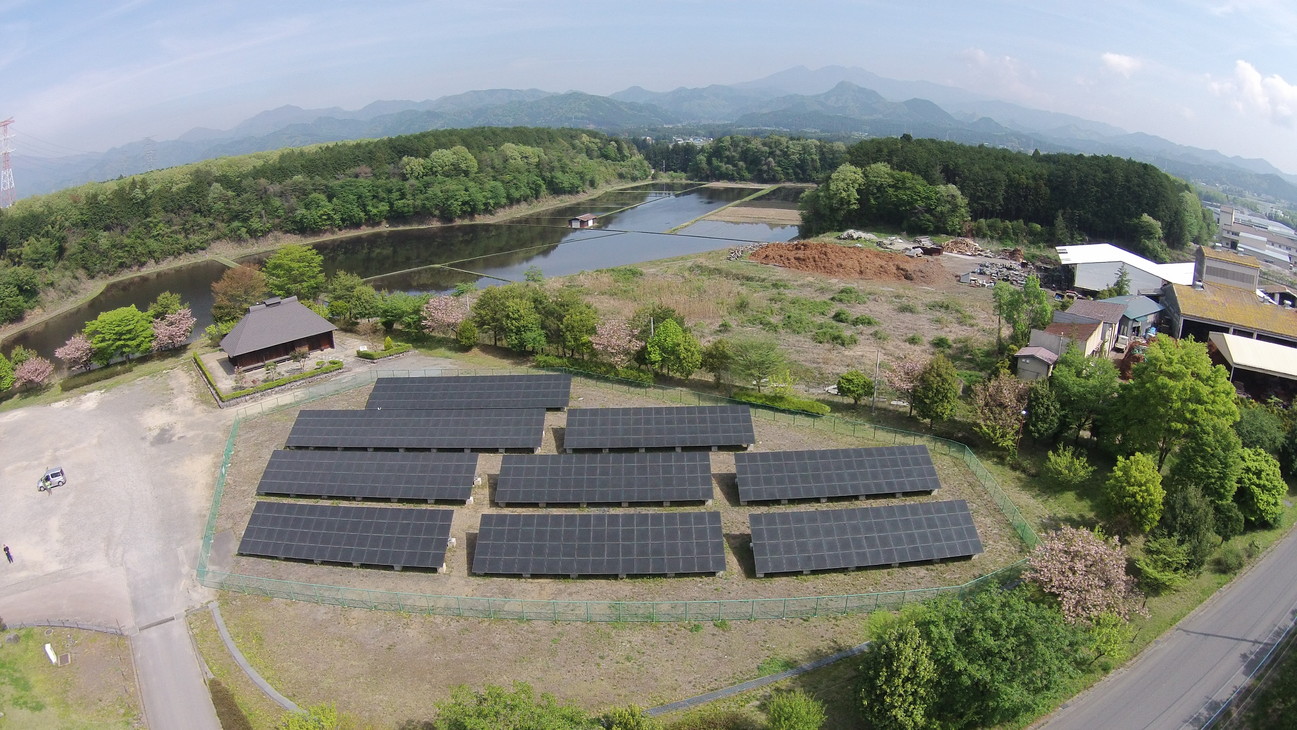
point(873, 400)
point(7, 193)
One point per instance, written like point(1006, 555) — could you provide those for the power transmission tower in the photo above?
point(7, 193)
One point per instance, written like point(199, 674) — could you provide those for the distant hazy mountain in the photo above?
point(834, 100)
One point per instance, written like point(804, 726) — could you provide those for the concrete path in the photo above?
point(118, 544)
point(1186, 675)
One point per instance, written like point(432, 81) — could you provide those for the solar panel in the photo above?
point(834, 539)
point(584, 544)
point(411, 475)
point(658, 428)
point(498, 428)
point(659, 476)
point(784, 475)
point(400, 537)
point(546, 390)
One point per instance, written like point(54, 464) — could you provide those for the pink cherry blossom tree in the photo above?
point(442, 314)
point(614, 340)
point(34, 371)
point(76, 352)
point(173, 330)
point(1086, 572)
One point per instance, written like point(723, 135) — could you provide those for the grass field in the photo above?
point(96, 689)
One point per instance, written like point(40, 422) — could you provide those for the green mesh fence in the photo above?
point(607, 611)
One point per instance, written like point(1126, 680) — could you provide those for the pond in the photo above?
point(631, 229)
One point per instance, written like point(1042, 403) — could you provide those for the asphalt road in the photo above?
point(1184, 677)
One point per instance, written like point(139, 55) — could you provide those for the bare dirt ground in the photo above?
point(847, 262)
point(757, 214)
point(260, 436)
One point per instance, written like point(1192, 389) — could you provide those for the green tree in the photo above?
point(1135, 488)
point(497, 708)
point(629, 718)
point(1187, 515)
point(1084, 386)
point(897, 680)
point(166, 303)
point(1037, 307)
point(403, 309)
point(855, 385)
point(1010, 308)
point(466, 334)
point(6, 373)
point(794, 710)
point(673, 350)
point(123, 332)
point(1209, 459)
point(238, 288)
point(1261, 488)
point(937, 392)
point(295, 270)
point(756, 360)
point(1173, 392)
point(997, 656)
point(1260, 428)
point(1163, 564)
point(1044, 414)
point(718, 359)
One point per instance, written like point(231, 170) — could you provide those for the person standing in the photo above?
point(8, 555)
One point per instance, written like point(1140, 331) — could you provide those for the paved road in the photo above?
point(117, 546)
point(1182, 679)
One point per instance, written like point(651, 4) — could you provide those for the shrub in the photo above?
point(864, 320)
point(849, 295)
point(914, 340)
point(782, 402)
point(1229, 561)
point(388, 351)
point(1163, 564)
point(594, 368)
point(880, 335)
point(795, 710)
point(842, 316)
point(466, 334)
point(941, 342)
point(906, 308)
point(1067, 467)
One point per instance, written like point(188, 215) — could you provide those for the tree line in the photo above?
point(103, 228)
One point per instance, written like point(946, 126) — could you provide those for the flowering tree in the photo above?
point(33, 371)
point(903, 377)
point(76, 352)
point(173, 330)
point(614, 341)
point(1001, 404)
point(1087, 573)
point(442, 314)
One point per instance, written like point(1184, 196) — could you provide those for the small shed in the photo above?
point(1087, 335)
point(585, 220)
point(1140, 315)
point(1107, 314)
point(1035, 363)
point(276, 328)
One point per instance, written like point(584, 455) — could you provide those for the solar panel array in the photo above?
point(550, 390)
point(584, 544)
point(410, 475)
point(400, 537)
point(663, 427)
point(783, 475)
point(658, 476)
point(834, 539)
point(499, 428)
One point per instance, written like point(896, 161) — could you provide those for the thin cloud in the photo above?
point(1122, 64)
point(1250, 92)
point(1002, 74)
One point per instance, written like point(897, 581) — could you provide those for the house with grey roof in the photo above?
point(1085, 311)
point(1139, 316)
point(274, 329)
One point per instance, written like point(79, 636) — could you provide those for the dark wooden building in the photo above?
point(274, 329)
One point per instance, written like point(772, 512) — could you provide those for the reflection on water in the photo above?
point(631, 229)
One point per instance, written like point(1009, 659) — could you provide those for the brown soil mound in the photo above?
point(848, 262)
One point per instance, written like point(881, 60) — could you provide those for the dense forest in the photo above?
point(103, 228)
point(997, 193)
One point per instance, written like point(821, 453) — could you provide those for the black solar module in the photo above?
point(546, 390)
point(583, 544)
point(834, 539)
point(657, 476)
point(658, 428)
point(400, 537)
point(410, 475)
point(489, 429)
point(782, 475)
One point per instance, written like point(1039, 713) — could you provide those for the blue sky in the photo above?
point(84, 76)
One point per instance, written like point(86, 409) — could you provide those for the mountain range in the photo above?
point(834, 101)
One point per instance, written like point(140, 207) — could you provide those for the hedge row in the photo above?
point(595, 368)
point(321, 368)
point(380, 354)
point(782, 402)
